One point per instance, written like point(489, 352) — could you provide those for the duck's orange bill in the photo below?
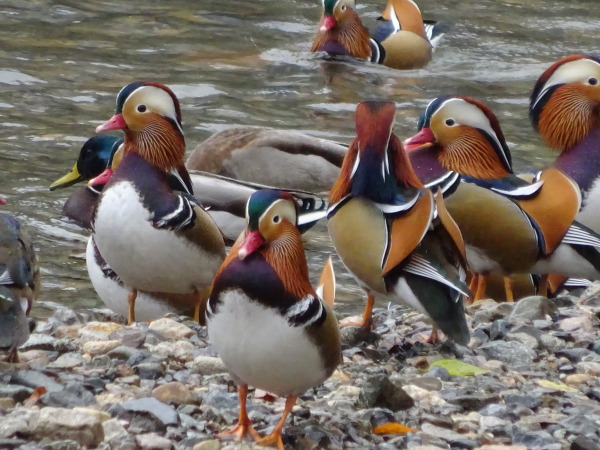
point(423, 138)
point(252, 242)
point(102, 178)
point(116, 122)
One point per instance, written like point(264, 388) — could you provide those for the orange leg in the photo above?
point(200, 308)
point(244, 426)
point(472, 288)
point(434, 338)
point(131, 300)
point(508, 287)
point(367, 317)
point(543, 288)
point(481, 285)
point(274, 439)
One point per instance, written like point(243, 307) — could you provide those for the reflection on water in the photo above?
point(241, 63)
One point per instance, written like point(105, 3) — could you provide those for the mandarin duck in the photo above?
point(264, 319)
point(401, 39)
point(19, 284)
point(392, 234)
point(257, 154)
point(508, 224)
point(155, 238)
point(225, 198)
point(565, 110)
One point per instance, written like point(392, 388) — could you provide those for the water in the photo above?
point(241, 63)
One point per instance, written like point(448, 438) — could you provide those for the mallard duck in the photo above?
point(258, 155)
point(401, 39)
point(394, 235)
point(19, 283)
point(265, 320)
point(508, 224)
point(156, 239)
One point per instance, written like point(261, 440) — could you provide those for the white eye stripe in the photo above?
point(580, 70)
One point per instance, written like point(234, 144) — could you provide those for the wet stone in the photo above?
point(532, 308)
point(67, 361)
point(585, 443)
point(527, 401)
point(499, 329)
point(39, 342)
point(15, 392)
point(574, 355)
point(129, 337)
point(150, 371)
point(440, 373)
point(380, 391)
point(164, 413)
point(512, 353)
point(73, 395)
point(35, 379)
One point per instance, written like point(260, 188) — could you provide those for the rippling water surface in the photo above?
point(242, 63)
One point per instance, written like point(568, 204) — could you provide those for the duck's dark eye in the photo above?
point(449, 122)
point(276, 219)
point(141, 108)
point(593, 81)
point(343, 8)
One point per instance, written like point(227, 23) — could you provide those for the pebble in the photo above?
point(170, 329)
point(159, 389)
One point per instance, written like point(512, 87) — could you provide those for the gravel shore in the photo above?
point(86, 380)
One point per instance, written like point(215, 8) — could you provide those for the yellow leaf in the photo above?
point(458, 368)
point(393, 428)
point(556, 386)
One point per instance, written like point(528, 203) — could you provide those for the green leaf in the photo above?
point(458, 368)
point(556, 386)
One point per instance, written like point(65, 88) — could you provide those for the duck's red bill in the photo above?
point(116, 122)
point(102, 178)
point(252, 242)
point(423, 138)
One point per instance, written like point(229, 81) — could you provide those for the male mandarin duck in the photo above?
point(265, 320)
point(508, 224)
point(225, 198)
point(564, 109)
point(155, 238)
point(257, 154)
point(400, 41)
point(394, 235)
point(19, 283)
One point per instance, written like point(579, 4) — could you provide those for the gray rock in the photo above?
point(574, 355)
point(16, 392)
point(427, 382)
point(440, 373)
point(523, 338)
point(170, 329)
point(528, 401)
point(164, 413)
point(122, 353)
point(499, 329)
point(81, 425)
point(551, 343)
point(596, 346)
point(74, 394)
point(153, 441)
point(219, 398)
point(512, 353)
point(129, 337)
point(579, 424)
point(67, 361)
point(18, 423)
point(470, 402)
point(495, 410)
point(380, 391)
point(63, 445)
point(584, 443)
point(534, 439)
point(533, 308)
point(150, 371)
point(33, 379)
point(10, 444)
point(38, 341)
point(208, 365)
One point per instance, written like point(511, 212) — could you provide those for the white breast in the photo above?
point(114, 295)
point(261, 349)
point(144, 257)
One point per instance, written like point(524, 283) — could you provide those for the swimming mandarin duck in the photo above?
point(265, 320)
point(392, 234)
point(508, 224)
point(155, 238)
point(19, 283)
point(257, 154)
point(401, 40)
